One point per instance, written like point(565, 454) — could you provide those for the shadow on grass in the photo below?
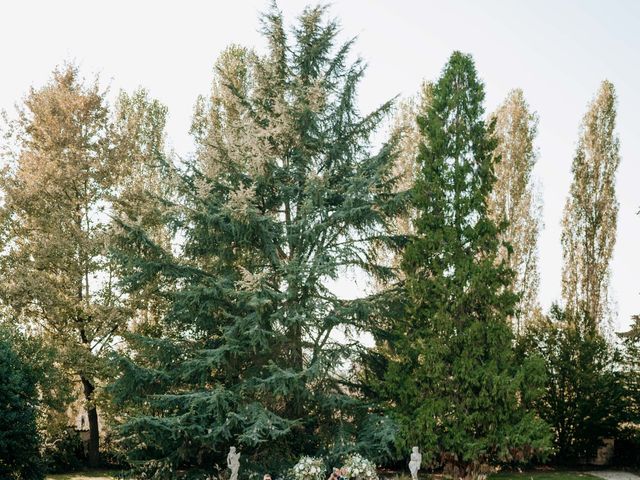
point(561, 475)
point(86, 475)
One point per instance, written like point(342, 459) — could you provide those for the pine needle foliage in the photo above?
point(285, 192)
point(451, 380)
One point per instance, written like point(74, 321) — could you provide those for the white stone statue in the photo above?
point(233, 462)
point(414, 463)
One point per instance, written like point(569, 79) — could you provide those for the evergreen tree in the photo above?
point(632, 368)
point(451, 380)
point(514, 200)
point(407, 139)
point(584, 395)
point(591, 211)
point(54, 389)
point(19, 439)
point(282, 195)
point(628, 440)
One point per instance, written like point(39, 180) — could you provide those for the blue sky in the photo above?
point(557, 52)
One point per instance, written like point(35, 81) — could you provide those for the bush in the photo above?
point(112, 453)
point(19, 439)
point(627, 447)
point(584, 399)
point(63, 451)
point(54, 392)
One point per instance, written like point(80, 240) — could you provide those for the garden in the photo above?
point(168, 316)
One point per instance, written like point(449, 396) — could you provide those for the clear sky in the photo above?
point(556, 51)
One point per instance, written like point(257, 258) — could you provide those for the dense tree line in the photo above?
point(185, 303)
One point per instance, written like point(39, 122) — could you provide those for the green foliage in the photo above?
point(63, 451)
point(72, 155)
point(19, 439)
point(54, 389)
point(584, 397)
point(627, 446)
point(450, 377)
point(253, 349)
point(631, 369)
point(212, 276)
point(627, 442)
point(89, 475)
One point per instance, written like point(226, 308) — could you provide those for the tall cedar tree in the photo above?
point(71, 158)
point(591, 211)
point(283, 194)
point(451, 379)
point(514, 200)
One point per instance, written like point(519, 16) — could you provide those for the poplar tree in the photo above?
point(283, 194)
point(451, 380)
point(146, 181)
point(407, 139)
point(58, 190)
point(514, 200)
point(591, 211)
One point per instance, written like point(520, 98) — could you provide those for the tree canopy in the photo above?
point(284, 193)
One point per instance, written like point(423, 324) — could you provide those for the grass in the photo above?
point(568, 475)
point(88, 475)
point(564, 475)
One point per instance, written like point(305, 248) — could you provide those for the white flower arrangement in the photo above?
point(308, 468)
point(360, 468)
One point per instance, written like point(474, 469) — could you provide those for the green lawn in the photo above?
point(105, 475)
point(92, 475)
point(542, 476)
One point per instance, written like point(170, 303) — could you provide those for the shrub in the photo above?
point(19, 439)
point(63, 451)
point(583, 399)
point(627, 447)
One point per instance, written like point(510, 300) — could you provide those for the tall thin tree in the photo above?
point(514, 200)
point(451, 379)
point(591, 211)
point(407, 137)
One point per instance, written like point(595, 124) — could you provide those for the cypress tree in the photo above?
point(451, 381)
point(282, 195)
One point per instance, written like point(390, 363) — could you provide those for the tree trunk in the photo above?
point(92, 414)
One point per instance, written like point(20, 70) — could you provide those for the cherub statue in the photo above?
point(233, 462)
point(414, 463)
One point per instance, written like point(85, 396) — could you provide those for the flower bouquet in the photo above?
point(308, 468)
point(356, 467)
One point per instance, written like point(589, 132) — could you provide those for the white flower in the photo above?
point(358, 467)
point(308, 468)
